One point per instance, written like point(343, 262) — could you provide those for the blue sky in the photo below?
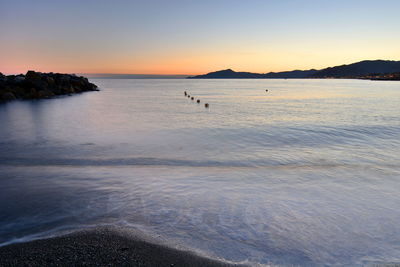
point(190, 37)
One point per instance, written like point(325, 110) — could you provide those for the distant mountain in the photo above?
point(355, 70)
point(358, 69)
point(294, 74)
point(230, 74)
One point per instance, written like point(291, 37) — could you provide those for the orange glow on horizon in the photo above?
point(192, 38)
point(187, 62)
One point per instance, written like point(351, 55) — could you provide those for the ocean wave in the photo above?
point(150, 161)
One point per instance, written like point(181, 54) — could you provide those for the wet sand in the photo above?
point(99, 247)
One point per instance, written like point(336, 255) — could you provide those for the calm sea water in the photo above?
point(305, 174)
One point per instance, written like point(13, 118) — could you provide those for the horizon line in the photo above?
point(188, 75)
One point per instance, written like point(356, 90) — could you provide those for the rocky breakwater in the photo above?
point(36, 85)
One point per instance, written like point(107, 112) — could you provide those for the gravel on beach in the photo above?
point(99, 247)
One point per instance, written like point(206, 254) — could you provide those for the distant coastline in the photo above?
point(367, 69)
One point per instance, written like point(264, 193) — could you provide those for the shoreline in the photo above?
point(102, 246)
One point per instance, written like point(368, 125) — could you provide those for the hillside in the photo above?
point(230, 74)
point(355, 70)
point(361, 68)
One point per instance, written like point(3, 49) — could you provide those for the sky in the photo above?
point(194, 37)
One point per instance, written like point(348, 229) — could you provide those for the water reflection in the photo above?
point(305, 175)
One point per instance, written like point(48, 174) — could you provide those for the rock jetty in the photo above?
point(37, 85)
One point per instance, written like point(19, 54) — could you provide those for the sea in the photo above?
point(275, 172)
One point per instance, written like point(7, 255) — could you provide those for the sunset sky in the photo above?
point(193, 37)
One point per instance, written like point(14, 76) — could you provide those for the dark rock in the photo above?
point(33, 94)
point(50, 81)
point(40, 85)
point(45, 94)
point(65, 78)
point(68, 89)
point(18, 91)
point(32, 76)
point(19, 79)
point(56, 90)
point(36, 85)
point(7, 96)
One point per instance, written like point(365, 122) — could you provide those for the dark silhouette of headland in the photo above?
point(36, 85)
point(230, 74)
point(380, 69)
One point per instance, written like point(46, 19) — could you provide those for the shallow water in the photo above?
point(307, 173)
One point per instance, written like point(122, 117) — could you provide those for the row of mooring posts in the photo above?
point(198, 100)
